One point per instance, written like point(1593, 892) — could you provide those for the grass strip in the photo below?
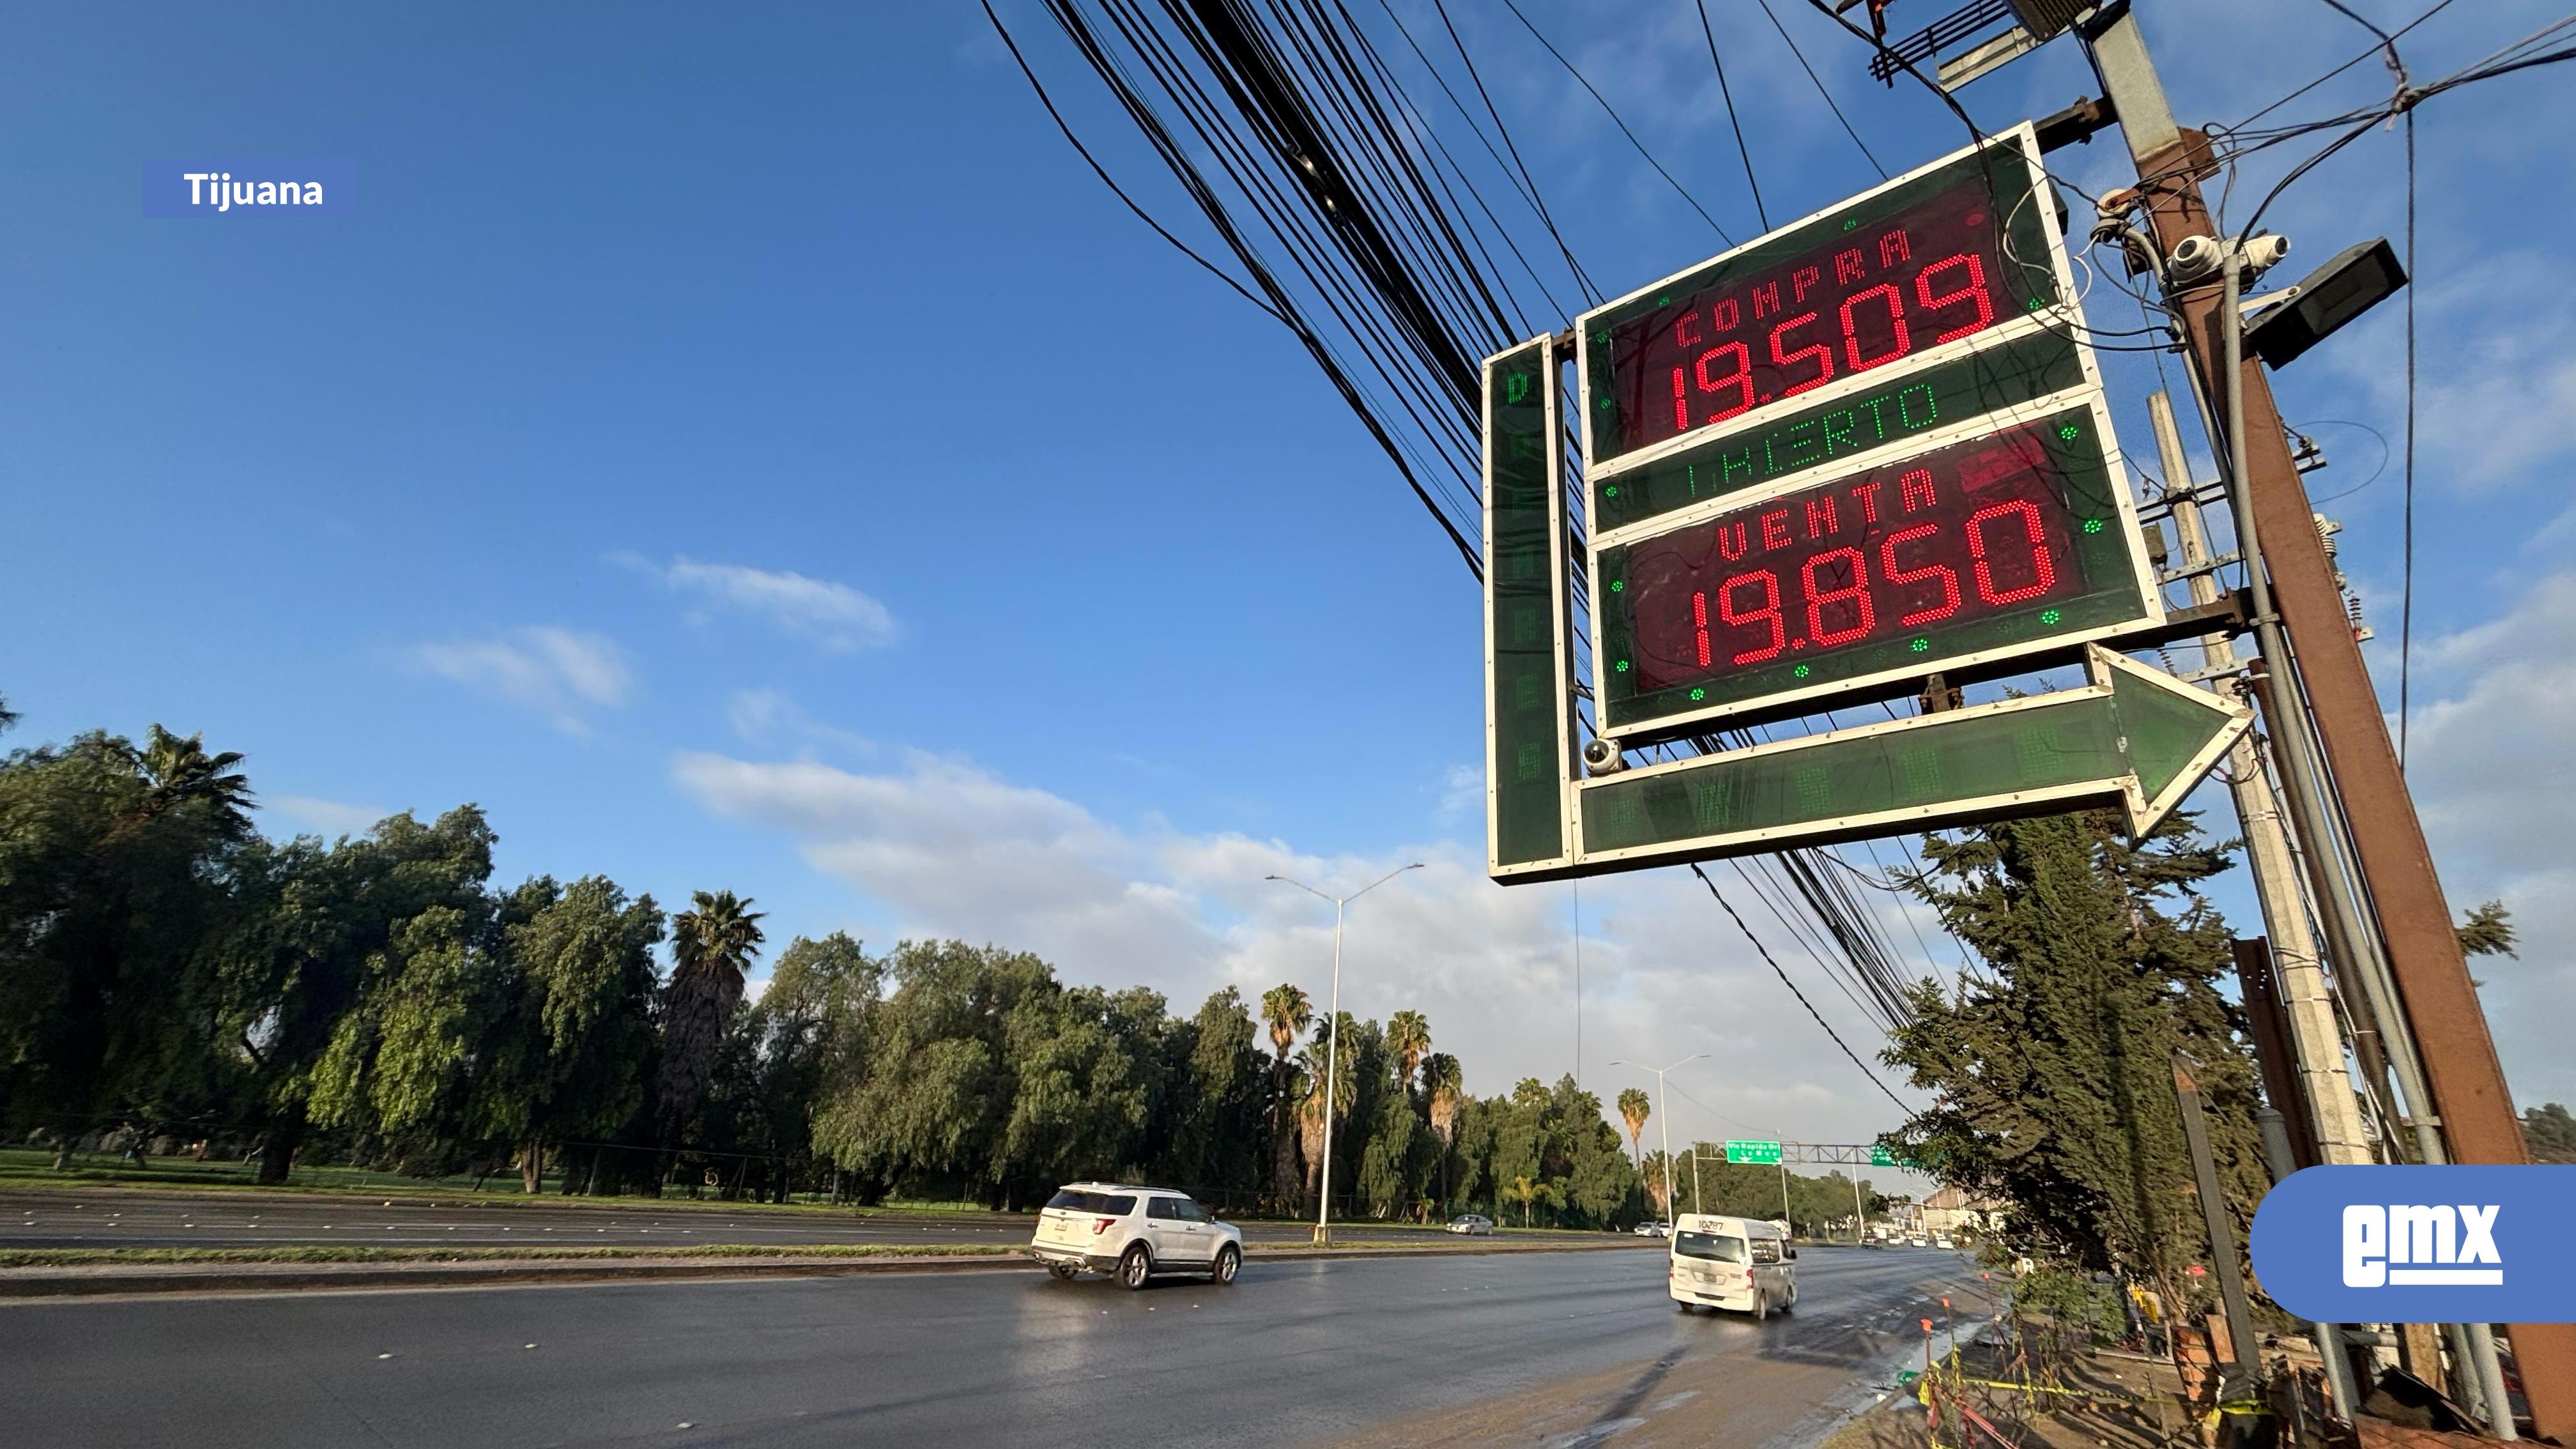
point(98, 1257)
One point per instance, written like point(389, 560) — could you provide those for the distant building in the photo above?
point(1950, 1211)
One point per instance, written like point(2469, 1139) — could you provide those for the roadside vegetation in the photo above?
point(185, 1001)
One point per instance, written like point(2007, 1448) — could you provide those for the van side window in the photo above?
point(1766, 1250)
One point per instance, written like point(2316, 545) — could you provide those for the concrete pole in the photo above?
point(2315, 1034)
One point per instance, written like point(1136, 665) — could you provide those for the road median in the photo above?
point(87, 1272)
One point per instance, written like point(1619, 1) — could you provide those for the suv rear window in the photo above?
point(1115, 1205)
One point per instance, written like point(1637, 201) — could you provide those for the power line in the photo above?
point(1830, 103)
point(1615, 120)
point(1794, 991)
point(1705, 29)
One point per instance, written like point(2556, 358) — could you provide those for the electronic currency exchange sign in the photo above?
point(1865, 449)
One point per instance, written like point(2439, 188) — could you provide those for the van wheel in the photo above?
point(1684, 1307)
point(1761, 1307)
point(1136, 1267)
point(1062, 1272)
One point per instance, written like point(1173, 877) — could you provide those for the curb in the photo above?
point(112, 1279)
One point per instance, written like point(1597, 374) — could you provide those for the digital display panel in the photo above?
point(1940, 257)
point(1801, 440)
point(1981, 544)
point(1526, 611)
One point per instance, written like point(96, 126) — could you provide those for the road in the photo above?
point(127, 1218)
point(1554, 1348)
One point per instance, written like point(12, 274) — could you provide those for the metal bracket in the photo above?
point(2205, 566)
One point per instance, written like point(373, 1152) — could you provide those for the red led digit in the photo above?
point(1976, 289)
point(1681, 402)
point(1894, 573)
point(1768, 613)
point(1857, 591)
point(1895, 318)
point(1741, 379)
point(1699, 626)
point(2043, 568)
point(1823, 355)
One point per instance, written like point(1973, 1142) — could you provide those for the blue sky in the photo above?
point(754, 453)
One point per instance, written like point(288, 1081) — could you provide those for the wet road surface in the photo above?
point(1558, 1349)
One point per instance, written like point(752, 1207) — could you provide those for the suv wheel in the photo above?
point(1227, 1262)
point(1063, 1272)
point(1136, 1267)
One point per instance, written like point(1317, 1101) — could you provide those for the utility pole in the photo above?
point(2315, 1034)
point(2433, 1021)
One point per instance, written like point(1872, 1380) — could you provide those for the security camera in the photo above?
point(2262, 253)
point(2194, 258)
point(1601, 757)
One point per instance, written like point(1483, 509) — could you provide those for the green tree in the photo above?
point(1443, 1091)
point(712, 945)
point(1634, 1108)
point(2551, 1132)
point(117, 865)
point(571, 1040)
point(318, 928)
point(2488, 932)
point(2051, 1081)
point(397, 1068)
point(1408, 1035)
point(1285, 1011)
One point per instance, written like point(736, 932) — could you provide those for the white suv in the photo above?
point(1133, 1232)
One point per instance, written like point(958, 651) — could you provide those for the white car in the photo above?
point(1653, 1230)
point(1135, 1233)
point(1473, 1225)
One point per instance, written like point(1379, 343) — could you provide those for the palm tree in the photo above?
point(1409, 1037)
point(6, 718)
point(1314, 1069)
point(1634, 1108)
point(1442, 1085)
point(180, 772)
point(1652, 1173)
point(1526, 1192)
point(1287, 1013)
point(711, 948)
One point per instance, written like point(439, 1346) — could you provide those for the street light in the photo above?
point(1333, 1043)
point(1667, 1119)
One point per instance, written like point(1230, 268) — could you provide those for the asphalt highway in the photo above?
point(128, 1218)
point(1562, 1349)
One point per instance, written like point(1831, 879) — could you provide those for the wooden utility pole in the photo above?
point(2470, 1105)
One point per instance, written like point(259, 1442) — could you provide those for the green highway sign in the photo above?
point(1880, 1156)
point(2135, 737)
point(1764, 1153)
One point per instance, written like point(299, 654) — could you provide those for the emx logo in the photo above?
point(2428, 1240)
point(2420, 1244)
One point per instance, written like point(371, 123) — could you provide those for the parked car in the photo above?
point(1741, 1263)
point(1471, 1225)
point(1943, 1243)
point(1654, 1230)
point(1134, 1233)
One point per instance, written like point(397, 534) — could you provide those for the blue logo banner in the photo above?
point(249, 186)
point(2421, 1244)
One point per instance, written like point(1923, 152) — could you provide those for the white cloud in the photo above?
point(557, 672)
point(2492, 765)
point(770, 717)
point(329, 817)
point(946, 848)
point(833, 615)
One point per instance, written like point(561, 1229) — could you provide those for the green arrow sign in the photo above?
point(2135, 737)
point(1749, 1150)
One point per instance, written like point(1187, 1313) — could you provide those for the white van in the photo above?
point(1741, 1263)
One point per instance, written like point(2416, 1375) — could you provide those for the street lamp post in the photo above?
point(1667, 1120)
point(1333, 1042)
